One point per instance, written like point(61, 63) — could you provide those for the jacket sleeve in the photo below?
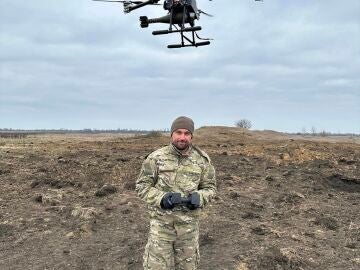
point(207, 186)
point(145, 184)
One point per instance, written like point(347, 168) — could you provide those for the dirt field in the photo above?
point(68, 201)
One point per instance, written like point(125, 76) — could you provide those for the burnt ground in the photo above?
point(284, 202)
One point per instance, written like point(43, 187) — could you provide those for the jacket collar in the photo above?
point(181, 153)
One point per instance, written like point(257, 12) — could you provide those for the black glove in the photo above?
point(167, 201)
point(194, 201)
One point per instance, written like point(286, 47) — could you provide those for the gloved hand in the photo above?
point(167, 201)
point(194, 201)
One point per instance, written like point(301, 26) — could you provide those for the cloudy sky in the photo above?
point(284, 65)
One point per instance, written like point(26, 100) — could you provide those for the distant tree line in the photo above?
point(10, 132)
point(323, 133)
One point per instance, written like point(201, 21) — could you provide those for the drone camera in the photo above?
point(144, 21)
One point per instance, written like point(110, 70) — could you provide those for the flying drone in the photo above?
point(181, 19)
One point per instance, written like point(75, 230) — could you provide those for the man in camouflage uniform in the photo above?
point(174, 228)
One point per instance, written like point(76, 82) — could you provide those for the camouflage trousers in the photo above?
point(173, 243)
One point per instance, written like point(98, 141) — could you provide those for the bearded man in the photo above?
point(176, 182)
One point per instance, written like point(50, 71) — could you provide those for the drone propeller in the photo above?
point(120, 1)
point(125, 2)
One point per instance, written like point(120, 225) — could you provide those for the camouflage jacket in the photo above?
point(167, 170)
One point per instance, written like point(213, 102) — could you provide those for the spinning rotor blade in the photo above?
point(120, 1)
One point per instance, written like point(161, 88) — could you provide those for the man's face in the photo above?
point(181, 138)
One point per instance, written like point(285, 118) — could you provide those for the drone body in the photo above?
point(180, 14)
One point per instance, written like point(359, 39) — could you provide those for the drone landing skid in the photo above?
point(189, 29)
point(174, 46)
point(191, 42)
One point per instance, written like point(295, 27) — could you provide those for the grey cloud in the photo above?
point(282, 64)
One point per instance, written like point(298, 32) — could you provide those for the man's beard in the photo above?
point(181, 145)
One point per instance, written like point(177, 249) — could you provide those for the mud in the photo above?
point(284, 202)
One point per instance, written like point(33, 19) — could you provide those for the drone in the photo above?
point(181, 19)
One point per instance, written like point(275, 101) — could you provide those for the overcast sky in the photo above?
point(284, 65)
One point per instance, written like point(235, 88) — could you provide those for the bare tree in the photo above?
point(313, 130)
point(325, 133)
point(243, 123)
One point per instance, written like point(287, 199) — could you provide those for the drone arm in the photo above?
point(149, 2)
